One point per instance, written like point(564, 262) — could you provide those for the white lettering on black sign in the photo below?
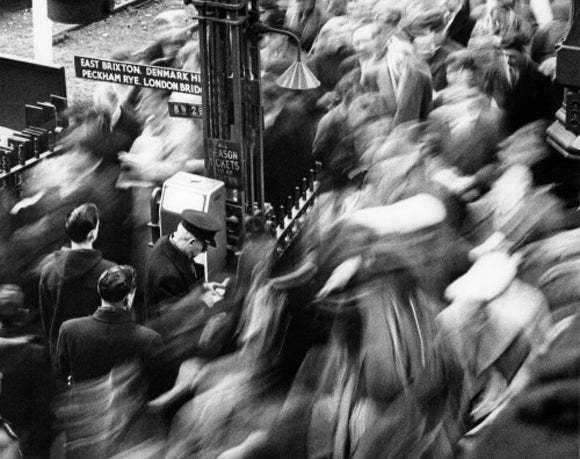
point(185, 110)
point(147, 76)
point(225, 163)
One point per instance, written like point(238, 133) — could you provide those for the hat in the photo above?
point(201, 225)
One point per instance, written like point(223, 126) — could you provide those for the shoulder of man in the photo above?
point(159, 249)
point(47, 263)
point(71, 325)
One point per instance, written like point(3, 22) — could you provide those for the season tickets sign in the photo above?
point(225, 162)
point(146, 76)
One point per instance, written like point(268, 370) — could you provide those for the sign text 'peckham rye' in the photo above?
point(129, 73)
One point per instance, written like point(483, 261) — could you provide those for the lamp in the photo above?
point(298, 75)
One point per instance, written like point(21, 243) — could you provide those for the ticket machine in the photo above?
point(190, 191)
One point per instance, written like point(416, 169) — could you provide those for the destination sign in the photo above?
point(130, 73)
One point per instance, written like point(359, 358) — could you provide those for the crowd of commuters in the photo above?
point(431, 306)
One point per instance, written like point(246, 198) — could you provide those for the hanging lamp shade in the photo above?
point(298, 76)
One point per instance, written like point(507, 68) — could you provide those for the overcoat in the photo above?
point(169, 275)
point(90, 347)
point(68, 288)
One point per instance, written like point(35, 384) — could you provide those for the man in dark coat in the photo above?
point(90, 347)
point(25, 369)
point(171, 271)
point(67, 287)
point(113, 367)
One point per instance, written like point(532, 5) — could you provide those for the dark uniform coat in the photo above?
point(169, 276)
point(68, 288)
point(90, 347)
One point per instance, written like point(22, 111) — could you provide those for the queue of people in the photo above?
point(430, 308)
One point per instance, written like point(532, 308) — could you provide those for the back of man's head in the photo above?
point(81, 221)
point(116, 283)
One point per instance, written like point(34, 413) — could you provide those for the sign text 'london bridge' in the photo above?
point(129, 73)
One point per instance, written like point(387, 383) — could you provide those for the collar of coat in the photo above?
point(112, 315)
point(179, 260)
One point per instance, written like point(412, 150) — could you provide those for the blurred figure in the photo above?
point(515, 81)
point(542, 419)
point(337, 8)
point(9, 448)
point(333, 144)
point(430, 42)
point(290, 120)
point(495, 322)
point(467, 121)
point(385, 63)
point(105, 417)
point(384, 384)
point(25, 378)
point(458, 21)
point(68, 282)
point(501, 24)
point(305, 18)
point(331, 48)
point(519, 213)
point(364, 44)
point(553, 265)
point(405, 81)
point(548, 36)
point(108, 96)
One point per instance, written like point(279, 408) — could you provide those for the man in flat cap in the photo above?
point(171, 271)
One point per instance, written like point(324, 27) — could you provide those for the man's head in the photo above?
point(426, 30)
point(364, 39)
point(117, 285)
point(82, 223)
point(195, 232)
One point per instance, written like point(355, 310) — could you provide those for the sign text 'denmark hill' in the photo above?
point(129, 73)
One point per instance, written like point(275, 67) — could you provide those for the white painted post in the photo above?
point(42, 29)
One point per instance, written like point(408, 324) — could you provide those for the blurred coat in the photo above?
point(24, 399)
point(437, 63)
point(470, 130)
point(288, 145)
point(412, 98)
point(68, 288)
point(306, 25)
point(542, 420)
point(553, 265)
point(493, 337)
point(327, 66)
point(461, 25)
